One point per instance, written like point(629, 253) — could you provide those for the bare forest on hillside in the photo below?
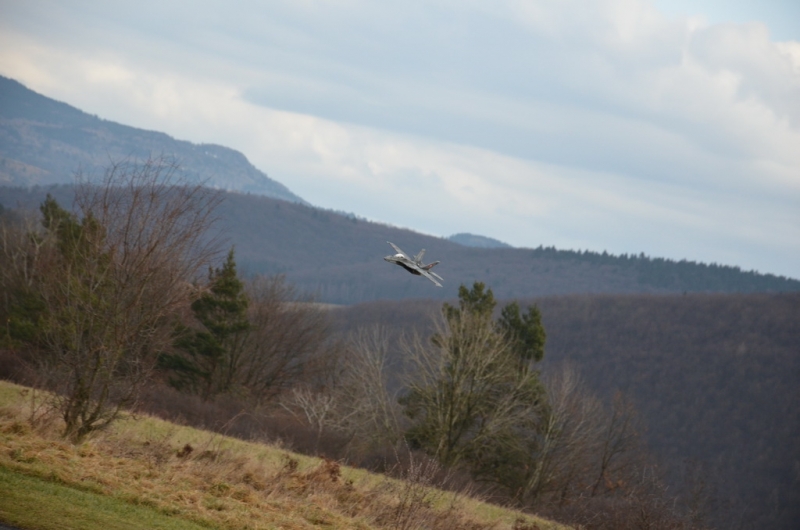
point(338, 258)
point(606, 410)
point(713, 378)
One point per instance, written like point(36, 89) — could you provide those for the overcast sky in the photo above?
point(665, 127)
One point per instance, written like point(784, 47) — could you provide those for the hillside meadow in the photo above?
point(144, 472)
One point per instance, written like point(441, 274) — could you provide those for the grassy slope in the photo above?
point(132, 476)
point(31, 502)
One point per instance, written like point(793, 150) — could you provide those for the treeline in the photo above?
point(338, 258)
point(671, 275)
point(107, 305)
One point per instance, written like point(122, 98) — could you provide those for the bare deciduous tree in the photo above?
point(288, 339)
point(582, 448)
point(566, 438)
point(619, 445)
point(467, 394)
point(358, 402)
point(369, 408)
point(110, 279)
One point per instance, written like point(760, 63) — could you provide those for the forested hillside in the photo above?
point(713, 376)
point(105, 307)
point(339, 258)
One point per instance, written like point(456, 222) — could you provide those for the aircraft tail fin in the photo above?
point(418, 257)
point(429, 266)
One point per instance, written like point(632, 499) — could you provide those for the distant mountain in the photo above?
point(43, 141)
point(340, 258)
point(472, 240)
point(336, 256)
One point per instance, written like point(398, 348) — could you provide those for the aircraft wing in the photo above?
point(430, 276)
point(397, 249)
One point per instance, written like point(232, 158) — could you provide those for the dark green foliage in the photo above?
point(477, 301)
point(61, 223)
point(20, 306)
point(207, 364)
point(77, 246)
point(80, 243)
point(74, 238)
point(223, 310)
point(23, 309)
point(473, 402)
point(525, 331)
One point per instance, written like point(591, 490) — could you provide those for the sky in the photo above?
point(665, 127)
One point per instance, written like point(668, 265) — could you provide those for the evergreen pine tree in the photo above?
point(209, 361)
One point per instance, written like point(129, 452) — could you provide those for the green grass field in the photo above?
point(35, 503)
point(148, 473)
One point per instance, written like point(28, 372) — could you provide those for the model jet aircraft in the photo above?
point(414, 266)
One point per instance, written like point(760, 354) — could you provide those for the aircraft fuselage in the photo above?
point(414, 266)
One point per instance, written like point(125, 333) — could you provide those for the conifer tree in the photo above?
point(525, 331)
point(470, 401)
point(211, 353)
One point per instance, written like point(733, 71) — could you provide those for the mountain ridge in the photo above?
point(335, 255)
point(44, 141)
point(475, 240)
point(339, 258)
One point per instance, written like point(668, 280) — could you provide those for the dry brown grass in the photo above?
point(227, 483)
